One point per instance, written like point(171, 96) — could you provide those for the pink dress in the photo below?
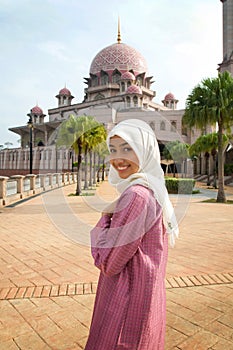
point(131, 251)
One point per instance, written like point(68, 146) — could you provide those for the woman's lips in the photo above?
point(122, 168)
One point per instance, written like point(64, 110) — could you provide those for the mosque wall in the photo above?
point(118, 88)
point(45, 160)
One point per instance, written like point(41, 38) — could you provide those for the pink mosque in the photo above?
point(118, 87)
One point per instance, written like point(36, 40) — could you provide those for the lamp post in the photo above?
point(30, 125)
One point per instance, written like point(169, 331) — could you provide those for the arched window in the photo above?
point(135, 101)
point(128, 101)
point(184, 131)
point(152, 125)
point(116, 76)
point(104, 78)
point(162, 125)
point(139, 81)
point(122, 86)
point(173, 126)
point(94, 80)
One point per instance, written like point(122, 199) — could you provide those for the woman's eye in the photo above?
point(127, 149)
point(112, 150)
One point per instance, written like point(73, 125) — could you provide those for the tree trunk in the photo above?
point(79, 172)
point(207, 165)
point(86, 171)
point(103, 168)
point(90, 169)
point(99, 169)
point(221, 197)
point(94, 168)
point(215, 172)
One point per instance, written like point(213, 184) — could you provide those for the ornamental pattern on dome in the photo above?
point(127, 76)
point(169, 96)
point(37, 110)
point(65, 92)
point(134, 89)
point(118, 56)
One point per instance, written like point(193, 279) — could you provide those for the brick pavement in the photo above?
point(48, 281)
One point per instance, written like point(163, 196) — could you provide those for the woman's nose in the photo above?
point(118, 161)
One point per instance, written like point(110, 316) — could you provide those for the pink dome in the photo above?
point(37, 110)
point(169, 97)
point(134, 89)
point(65, 92)
point(118, 56)
point(127, 76)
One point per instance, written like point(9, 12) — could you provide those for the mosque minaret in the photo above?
point(227, 63)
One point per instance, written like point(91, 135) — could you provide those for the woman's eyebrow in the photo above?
point(121, 145)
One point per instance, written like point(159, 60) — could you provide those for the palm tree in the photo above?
point(102, 151)
point(208, 144)
point(75, 132)
point(98, 135)
point(176, 151)
point(95, 135)
point(211, 103)
point(195, 151)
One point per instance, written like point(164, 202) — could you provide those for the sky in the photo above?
point(48, 44)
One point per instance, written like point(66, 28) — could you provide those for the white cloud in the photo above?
point(57, 50)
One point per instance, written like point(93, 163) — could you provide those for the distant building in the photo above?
point(118, 87)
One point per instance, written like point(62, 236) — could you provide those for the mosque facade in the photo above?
point(118, 87)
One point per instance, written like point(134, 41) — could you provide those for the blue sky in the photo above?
point(47, 44)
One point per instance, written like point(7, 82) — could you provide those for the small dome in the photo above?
point(127, 76)
point(65, 92)
point(134, 89)
point(169, 97)
point(37, 110)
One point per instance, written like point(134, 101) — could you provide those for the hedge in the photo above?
point(184, 186)
point(228, 169)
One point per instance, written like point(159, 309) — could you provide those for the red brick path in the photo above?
point(48, 282)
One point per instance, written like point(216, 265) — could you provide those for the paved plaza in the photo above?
point(48, 281)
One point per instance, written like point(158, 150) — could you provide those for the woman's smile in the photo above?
point(122, 157)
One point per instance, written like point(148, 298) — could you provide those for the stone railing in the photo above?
point(17, 187)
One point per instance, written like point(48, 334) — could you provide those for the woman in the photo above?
point(129, 245)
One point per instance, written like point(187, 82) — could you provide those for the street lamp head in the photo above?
point(30, 123)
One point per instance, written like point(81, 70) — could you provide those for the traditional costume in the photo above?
point(130, 249)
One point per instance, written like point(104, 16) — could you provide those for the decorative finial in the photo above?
point(119, 32)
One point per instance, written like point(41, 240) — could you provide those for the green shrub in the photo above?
point(228, 169)
point(184, 186)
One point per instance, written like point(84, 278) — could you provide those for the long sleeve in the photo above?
point(115, 240)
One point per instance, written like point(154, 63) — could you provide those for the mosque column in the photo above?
point(227, 63)
point(46, 137)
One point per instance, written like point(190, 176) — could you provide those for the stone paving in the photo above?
point(48, 281)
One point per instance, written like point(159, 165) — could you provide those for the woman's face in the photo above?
point(122, 157)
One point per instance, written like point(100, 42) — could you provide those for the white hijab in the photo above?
point(141, 138)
